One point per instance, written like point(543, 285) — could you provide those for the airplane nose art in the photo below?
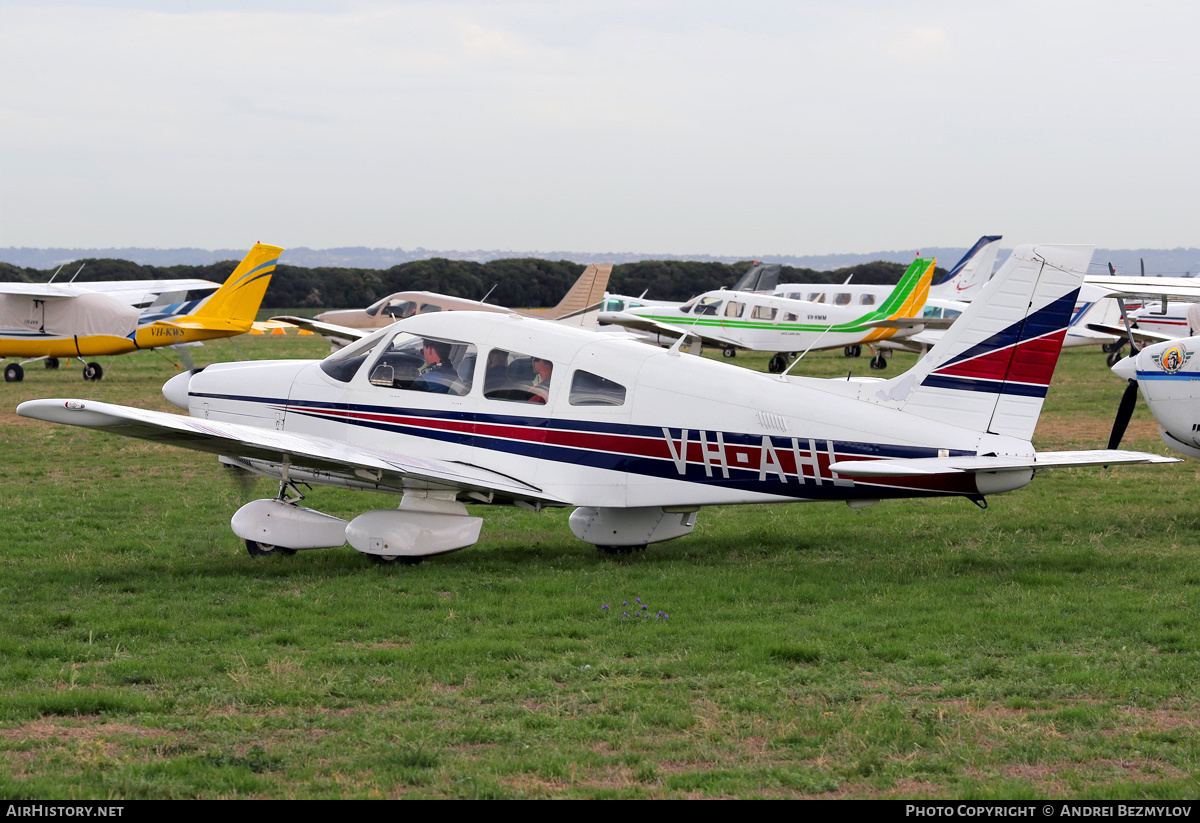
point(176, 389)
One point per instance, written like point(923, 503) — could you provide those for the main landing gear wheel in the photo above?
point(51, 362)
point(852, 351)
point(92, 371)
point(13, 373)
point(1109, 348)
point(613, 550)
point(778, 363)
point(257, 549)
point(729, 351)
point(389, 559)
point(879, 362)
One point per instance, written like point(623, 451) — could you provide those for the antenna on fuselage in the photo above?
point(76, 274)
point(489, 294)
point(56, 271)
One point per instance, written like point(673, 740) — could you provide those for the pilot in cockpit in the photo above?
point(542, 370)
point(438, 373)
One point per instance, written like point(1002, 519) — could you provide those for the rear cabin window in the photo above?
point(764, 313)
point(842, 299)
point(867, 300)
point(816, 297)
point(589, 389)
point(426, 364)
point(517, 377)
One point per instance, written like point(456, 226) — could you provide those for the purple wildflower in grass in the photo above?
point(605, 606)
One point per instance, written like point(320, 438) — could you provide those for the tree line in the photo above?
point(520, 282)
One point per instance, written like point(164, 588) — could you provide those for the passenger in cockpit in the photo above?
point(542, 370)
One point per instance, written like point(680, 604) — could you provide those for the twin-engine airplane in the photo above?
point(461, 407)
point(52, 320)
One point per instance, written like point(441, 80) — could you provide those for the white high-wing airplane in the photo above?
point(453, 408)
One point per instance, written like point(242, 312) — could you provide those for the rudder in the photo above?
point(238, 300)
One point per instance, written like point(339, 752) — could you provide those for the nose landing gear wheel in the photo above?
point(729, 351)
point(13, 373)
point(92, 371)
point(879, 362)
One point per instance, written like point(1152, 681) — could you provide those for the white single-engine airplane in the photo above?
point(460, 407)
point(53, 320)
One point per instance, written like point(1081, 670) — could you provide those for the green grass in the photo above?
point(1045, 647)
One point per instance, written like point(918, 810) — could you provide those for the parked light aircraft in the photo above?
point(1168, 375)
point(343, 326)
point(458, 407)
point(762, 322)
point(947, 300)
point(585, 294)
point(53, 320)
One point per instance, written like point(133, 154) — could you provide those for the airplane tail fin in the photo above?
point(971, 272)
point(238, 300)
point(991, 369)
point(588, 290)
point(906, 300)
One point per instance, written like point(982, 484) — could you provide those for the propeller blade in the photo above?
point(1124, 413)
point(1133, 349)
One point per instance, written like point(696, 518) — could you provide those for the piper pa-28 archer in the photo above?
point(461, 407)
point(53, 320)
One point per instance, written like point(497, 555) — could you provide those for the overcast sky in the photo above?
point(729, 128)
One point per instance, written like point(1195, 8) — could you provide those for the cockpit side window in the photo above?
point(589, 389)
point(734, 309)
point(763, 313)
point(517, 377)
point(708, 305)
point(426, 364)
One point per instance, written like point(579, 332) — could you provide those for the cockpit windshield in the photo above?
point(344, 363)
point(392, 307)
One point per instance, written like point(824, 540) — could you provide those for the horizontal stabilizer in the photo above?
point(983, 463)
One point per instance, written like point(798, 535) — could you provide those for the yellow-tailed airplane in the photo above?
point(51, 320)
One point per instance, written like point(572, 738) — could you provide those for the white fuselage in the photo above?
point(684, 431)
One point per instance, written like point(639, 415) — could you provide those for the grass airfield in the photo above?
point(1046, 647)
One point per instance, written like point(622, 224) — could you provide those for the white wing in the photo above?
point(388, 470)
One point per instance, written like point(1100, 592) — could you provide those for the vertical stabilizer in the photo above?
point(969, 274)
point(991, 369)
point(588, 290)
point(238, 300)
